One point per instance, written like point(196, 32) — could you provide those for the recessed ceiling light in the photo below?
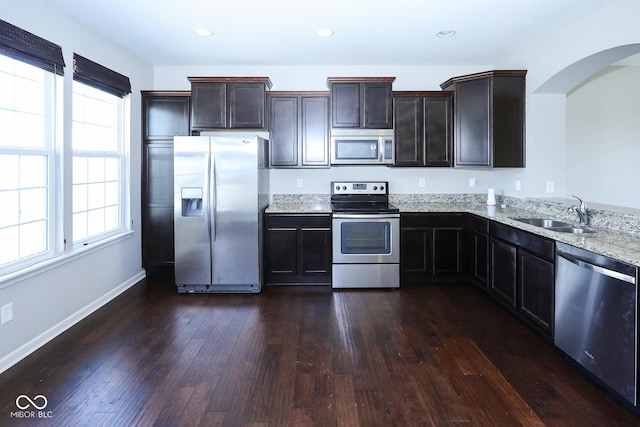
point(324, 32)
point(446, 33)
point(204, 32)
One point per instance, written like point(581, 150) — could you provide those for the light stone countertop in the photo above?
point(609, 238)
point(612, 243)
point(299, 208)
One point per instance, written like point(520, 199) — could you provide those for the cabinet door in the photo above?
point(208, 105)
point(481, 259)
point(165, 117)
point(157, 209)
point(536, 290)
point(472, 105)
point(314, 130)
point(282, 253)
point(345, 105)
point(447, 252)
point(438, 131)
point(416, 256)
point(246, 105)
point(157, 243)
point(158, 174)
point(503, 272)
point(508, 108)
point(316, 253)
point(378, 106)
point(283, 127)
point(409, 130)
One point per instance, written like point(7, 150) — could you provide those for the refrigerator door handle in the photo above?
point(213, 197)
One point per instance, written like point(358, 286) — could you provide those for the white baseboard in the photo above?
point(26, 349)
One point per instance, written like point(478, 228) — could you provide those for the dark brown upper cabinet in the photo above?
point(361, 102)
point(489, 118)
point(299, 129)
point(423, 128)
point(228, 102)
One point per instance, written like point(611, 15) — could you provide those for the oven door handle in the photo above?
point(366, 216)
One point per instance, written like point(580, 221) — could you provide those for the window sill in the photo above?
point(18, 276)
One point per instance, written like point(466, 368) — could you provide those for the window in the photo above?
point(33, 195)
point(97, 162)
point(27, 163)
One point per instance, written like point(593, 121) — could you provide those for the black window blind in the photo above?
point(24, 46)
point(100, 77)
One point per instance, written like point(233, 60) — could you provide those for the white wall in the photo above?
point(557, 65)
point(48, 301)
point(603, 137)
point(612, 26)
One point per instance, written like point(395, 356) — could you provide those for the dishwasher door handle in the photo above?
point(597, 269)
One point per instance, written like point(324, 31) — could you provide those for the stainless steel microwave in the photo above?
point(362, 147)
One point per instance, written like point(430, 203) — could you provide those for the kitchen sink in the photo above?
point(544, 222)
point(554, 225)
point(574, 230)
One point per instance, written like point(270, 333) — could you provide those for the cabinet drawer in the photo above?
point(430, 219)
point(303, 221)
point(539, 245)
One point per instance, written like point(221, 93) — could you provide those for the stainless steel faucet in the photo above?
point(581, 210)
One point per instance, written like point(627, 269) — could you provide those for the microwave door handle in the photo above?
point(380, 150)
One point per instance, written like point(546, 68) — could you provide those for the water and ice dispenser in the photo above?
point(191, 201)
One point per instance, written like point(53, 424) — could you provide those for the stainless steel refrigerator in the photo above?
point(221, 187)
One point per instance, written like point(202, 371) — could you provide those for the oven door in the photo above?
point(366, 238)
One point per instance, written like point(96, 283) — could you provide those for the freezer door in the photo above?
point(235, 230)
point(191, 210)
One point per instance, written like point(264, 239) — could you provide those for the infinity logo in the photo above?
point(31, 402)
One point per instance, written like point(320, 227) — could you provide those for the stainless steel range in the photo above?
point(366, 235)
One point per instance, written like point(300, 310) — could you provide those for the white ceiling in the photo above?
point(367, 32)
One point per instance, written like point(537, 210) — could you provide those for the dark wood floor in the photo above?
point(306, 356)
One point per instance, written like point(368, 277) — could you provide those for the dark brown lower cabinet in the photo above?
point(536, 290)
point(480, 256)
point(298, 249)
point(503, 272)
point(523, 275)
point(432, 248)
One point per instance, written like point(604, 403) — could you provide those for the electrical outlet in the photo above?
point(518, 185)
point(473, 182)
point(421, 182)
point(7, 313)
point(299, 182)
point(550, 187)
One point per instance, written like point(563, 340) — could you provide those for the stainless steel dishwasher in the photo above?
point(596, 316)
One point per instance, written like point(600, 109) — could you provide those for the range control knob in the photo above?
point(337, 188)
point(382, 188)
point(375, 187)
point(344, 188)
